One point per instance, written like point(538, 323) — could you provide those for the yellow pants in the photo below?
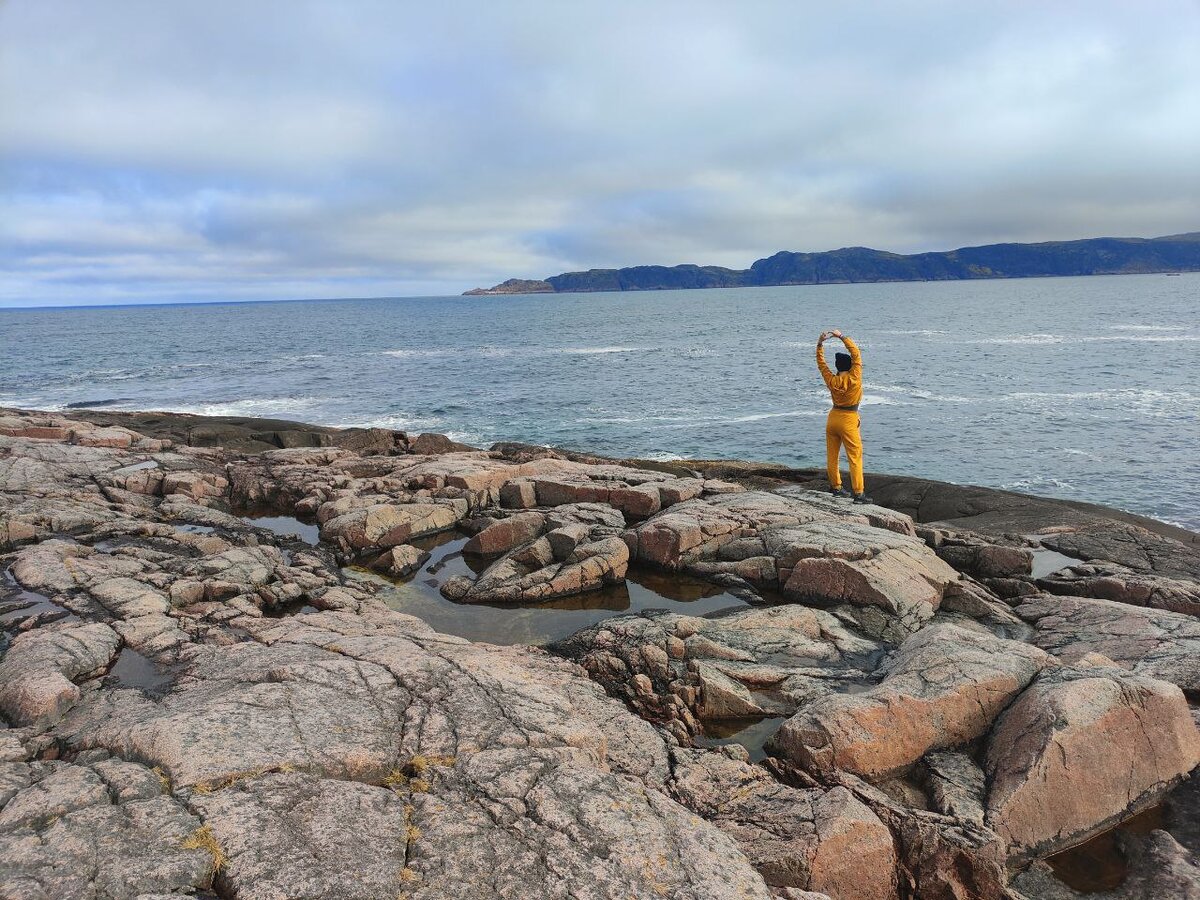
point(841, 430)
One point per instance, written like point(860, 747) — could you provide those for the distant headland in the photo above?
point(1091, 256)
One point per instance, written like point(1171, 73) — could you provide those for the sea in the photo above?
point(1082, 388)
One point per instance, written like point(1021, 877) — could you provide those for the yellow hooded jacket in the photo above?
point(844, 387)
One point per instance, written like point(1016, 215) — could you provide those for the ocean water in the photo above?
point(1084, 388)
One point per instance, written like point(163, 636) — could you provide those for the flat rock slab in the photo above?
point(67, 833)
point(1112, 582)
point(1081, 749)
point(1151, 642)
point(943, 688)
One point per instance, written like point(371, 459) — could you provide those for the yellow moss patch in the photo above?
point(162, 778)
point(202, 839)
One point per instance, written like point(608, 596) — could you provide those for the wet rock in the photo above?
point(1081, 749)
point(432, 443)
point(1151, 642)
point(1158, 868)
point(987, 560)
point(1131, 546)
point(943, 688)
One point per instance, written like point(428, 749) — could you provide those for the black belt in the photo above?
point(853, 408)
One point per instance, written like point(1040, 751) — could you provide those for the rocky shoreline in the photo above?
point(953, 694)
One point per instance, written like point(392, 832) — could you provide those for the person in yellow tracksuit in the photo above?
point(842, 425)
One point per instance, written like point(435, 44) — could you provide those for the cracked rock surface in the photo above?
point(196, 703)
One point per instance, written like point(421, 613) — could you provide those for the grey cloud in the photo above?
point(221, 150)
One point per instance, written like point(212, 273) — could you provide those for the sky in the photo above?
point(177, 151)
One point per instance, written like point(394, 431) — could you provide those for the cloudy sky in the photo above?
point(155, 151)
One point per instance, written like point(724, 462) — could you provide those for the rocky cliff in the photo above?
point(1094, 256)
point(949, 695)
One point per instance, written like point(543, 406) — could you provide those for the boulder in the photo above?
point(563, 562)
point(1081, 749)
point(385, 525)
point(820, 840)
point(813, 552)
point(506, 534)
point(38, 671)
point(400, 561)
point(943, 688)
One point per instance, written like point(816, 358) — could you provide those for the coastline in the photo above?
point(215, 668)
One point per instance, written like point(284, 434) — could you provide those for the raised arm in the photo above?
point(822, 366)
point(855, 356)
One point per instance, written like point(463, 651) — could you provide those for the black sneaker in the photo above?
point(862, 498)
point(840, 492)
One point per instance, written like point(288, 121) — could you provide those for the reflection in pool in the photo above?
point(752, 733)
point(286, 526)
point(538, 623)
point(1098, 865)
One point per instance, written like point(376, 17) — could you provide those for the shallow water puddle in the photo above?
point(132, 669)
point(17, 605)
point(286, 526)
point(539, 623)
point(1047, 561)
point(189, 528)
point(752, 733)
point(1098, 865)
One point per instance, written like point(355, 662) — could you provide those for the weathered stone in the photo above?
point(38, 670)
point(545, 569)
point(64, 836)
point(956, 785)
point(1081, 749)
point(386, 525)
point(1112, 582)
point(401, 560)
point(943, 688)
point(818, 840)
point(1151, 642)
point(506, 534)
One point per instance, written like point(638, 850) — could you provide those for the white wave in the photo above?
point(473, 438)
point(758, 417)
point(30, 403)
point(1038, 338)
point(663, 456)
point(1141, 338)
point(589, 351)
point(918, 393)
point(258, 407)
point(923, 332)
point(1148, 327)
point(1036, 483)
point(868, 400)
